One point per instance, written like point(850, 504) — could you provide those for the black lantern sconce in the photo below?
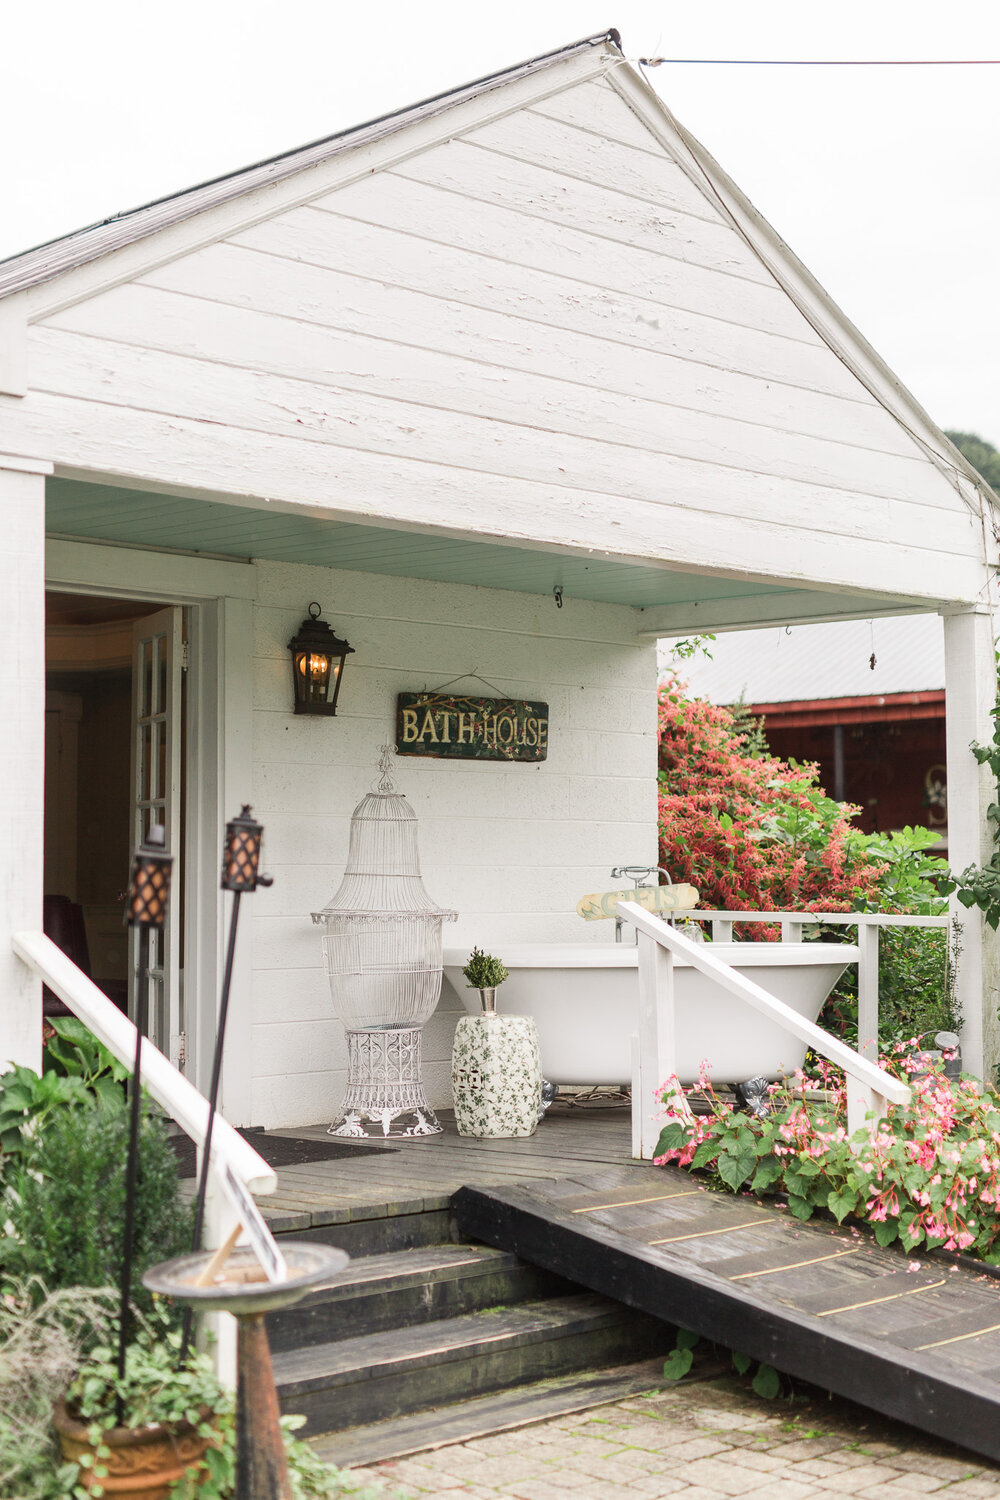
point(318, 658)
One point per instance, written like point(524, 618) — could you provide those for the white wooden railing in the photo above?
point(654, 1058)
point(179, 1098)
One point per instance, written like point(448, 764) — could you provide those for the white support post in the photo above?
point(217, 1332)
point(868, 990)
point(722, 932)
point(791, 932)
point(657, 1034)
point(22, 751)
point(970, 695)
point(638, 1092)
point(862, 1101)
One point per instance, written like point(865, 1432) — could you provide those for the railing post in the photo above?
point(219, 1327)
point(868, 990)
point(791, 932)
point(722, 932)
point(657, 1034)
point(862, 1101)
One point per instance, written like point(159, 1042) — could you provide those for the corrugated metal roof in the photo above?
point(807, 662)
point(56, 256)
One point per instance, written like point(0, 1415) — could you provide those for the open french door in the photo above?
point(157, 665)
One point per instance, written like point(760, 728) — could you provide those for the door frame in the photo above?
point(219, 597)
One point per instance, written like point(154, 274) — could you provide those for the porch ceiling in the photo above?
point(136, 518)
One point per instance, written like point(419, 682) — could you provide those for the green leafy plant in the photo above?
point(76, 1069)
point(155, 1386)
point(766, 1381)
point(483, 971)
point(929, 1176)
point(43, 1336)
point(72, 1051)
point(27, 1102)
point(979, 885)
point(63, 1198)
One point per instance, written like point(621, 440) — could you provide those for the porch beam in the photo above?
point(757, 611)
point(970, 695)
point(22, 752)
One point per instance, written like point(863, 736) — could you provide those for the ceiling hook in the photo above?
point(557, 594)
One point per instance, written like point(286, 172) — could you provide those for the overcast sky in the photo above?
point(885, 181)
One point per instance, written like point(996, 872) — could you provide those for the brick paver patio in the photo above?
point(705, 1441)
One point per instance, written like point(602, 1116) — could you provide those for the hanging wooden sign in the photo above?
point(443, 725)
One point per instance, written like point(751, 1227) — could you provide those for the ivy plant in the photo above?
point(979, 885)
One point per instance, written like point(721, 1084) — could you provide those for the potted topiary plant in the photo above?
point(485, 974)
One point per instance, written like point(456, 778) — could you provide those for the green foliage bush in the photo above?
point(64, 1197)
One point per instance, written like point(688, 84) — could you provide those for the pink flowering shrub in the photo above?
point(931, 1175)
point(750, 831)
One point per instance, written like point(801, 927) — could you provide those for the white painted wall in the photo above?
point(511, 847)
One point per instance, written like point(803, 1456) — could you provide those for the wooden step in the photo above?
point(499, 1411)
point(408, 1288)
point(368, 1228)
point(343, 1384)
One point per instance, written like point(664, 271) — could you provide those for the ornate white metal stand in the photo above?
point(382, 946)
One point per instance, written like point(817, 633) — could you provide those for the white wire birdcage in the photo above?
point(382, 949)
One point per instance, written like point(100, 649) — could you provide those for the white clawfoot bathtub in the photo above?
point(585, 1001)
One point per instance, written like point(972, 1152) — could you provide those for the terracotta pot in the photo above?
point(144, 1461)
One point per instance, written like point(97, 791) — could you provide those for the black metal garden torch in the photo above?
point(146, 908)
point(240, 873)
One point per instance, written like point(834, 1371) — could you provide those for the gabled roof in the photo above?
point(64, 271)
point(43, 262)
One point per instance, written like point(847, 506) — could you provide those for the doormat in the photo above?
point(279, 1150)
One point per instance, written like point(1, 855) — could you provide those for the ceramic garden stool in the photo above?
point(496, 1074)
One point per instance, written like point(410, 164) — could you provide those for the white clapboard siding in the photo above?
point(211, 457)
point(436, 317)
point(516, 235)
point(310, 349)
point(599, 108)
point(476, 174)
point(624, 181)
point(402, 259)
point(237, 325)
point(144, 317)
point(629, 463)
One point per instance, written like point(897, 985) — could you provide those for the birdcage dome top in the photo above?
point(382, 877)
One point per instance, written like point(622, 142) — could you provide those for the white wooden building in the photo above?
point(524, 337)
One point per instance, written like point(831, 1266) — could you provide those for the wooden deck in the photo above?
point(916, 1340)
point(422, 1175)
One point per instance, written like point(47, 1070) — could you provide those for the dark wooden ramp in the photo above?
point(820, 1302)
